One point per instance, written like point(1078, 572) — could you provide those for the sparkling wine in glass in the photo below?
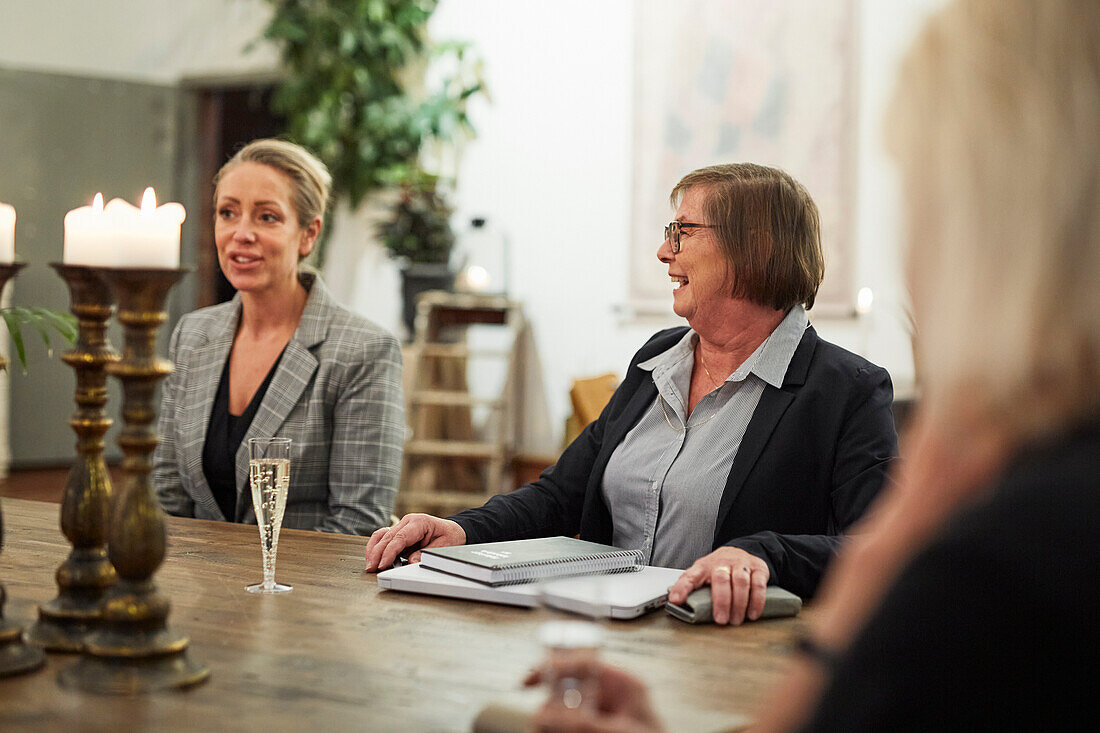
point(269, 476)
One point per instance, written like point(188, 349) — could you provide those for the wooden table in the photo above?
point(338, 653)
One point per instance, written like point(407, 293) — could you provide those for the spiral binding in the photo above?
point(607, 562)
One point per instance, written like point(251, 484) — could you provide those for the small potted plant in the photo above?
point(418, 234)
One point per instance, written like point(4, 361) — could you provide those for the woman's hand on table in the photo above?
point(413, 530)
point(738, 582)
point(622, 704)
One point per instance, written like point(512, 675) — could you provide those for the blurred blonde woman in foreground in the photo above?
point(969, 600)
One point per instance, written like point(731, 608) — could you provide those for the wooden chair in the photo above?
point(589, 396)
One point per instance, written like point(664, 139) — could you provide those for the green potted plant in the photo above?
point(418, 234)
point(354, 90)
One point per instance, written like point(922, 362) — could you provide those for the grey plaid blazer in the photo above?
point(337, 393)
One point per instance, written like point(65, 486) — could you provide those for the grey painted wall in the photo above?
point(62, 139)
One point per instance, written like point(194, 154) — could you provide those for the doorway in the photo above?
point(229, 117)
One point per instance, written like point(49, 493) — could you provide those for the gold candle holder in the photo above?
point(15, 656)
point(133, 651)
point(65, 622)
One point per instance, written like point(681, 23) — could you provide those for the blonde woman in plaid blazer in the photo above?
point(280, 359)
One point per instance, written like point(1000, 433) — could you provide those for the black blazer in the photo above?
point(814, 455)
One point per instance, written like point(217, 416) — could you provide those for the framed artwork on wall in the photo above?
point(746, 81)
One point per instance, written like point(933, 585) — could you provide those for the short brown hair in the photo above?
point(767, 226)
point(309, 178)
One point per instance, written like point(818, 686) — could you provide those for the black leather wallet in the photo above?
point(697, 607)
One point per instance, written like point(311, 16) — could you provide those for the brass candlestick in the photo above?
point(83, 579)
point(15, 656)
point(133, 651)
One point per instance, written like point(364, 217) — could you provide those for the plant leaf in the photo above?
point(63, 323)
point(39, 325)
point(12, 321)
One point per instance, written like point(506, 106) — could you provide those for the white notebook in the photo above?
point(615, 595)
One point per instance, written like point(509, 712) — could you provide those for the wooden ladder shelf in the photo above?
point(448, 466)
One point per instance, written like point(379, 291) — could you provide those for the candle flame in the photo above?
point(149, 201)
point(97, 204)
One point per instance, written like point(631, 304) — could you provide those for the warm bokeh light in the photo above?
point(864, 299)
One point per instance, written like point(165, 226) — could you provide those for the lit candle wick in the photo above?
point(148, 202)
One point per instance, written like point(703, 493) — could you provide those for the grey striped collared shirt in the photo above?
point(664, 483)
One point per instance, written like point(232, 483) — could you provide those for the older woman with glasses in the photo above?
point(968, 600)
point(740, 447)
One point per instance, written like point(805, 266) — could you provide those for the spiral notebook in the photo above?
point(521, 561)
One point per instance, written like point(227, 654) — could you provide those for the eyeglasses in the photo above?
point(673, 229)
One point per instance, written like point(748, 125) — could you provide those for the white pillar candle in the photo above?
point(121, 235)
point(7, 234)
point(87, 238)
point(156, 234)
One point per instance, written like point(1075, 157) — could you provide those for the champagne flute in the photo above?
point(269, 476)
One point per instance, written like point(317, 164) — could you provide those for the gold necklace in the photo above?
point(714, 382)
point(661, 402)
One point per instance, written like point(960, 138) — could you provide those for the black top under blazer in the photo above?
point(814, 455)
point(992, 625)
